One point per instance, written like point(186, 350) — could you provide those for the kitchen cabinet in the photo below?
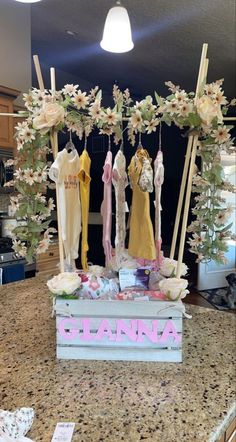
point(47, 263)
point(7, 97)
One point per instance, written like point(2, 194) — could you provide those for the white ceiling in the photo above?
point(168, 36)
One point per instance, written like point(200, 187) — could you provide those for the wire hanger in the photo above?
point(70, 145)
point(85, 142)
point(109, 142)
point(139, 141)
point(159, 149)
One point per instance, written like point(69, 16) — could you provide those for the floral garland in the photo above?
point(80, 112)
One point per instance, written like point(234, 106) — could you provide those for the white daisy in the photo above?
point(172, 107)
point(185, 109)
point(136, 120)
point(95, 110)
point(80, 100)
point(29, 176)
point(19, 174)
point(180, 96)
point(70, 89)
point(41, 175)
point(196, 240)
point(51, 204)
point(151, 125)
point(28, 99)
point(106, 131)
point(223, 216)
point(27, 135)
point(221, 135)
point(41, 198)
point(111, 117)
point(38, 97)
point(20, 145)
point(220, 98)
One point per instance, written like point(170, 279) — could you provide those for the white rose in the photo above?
point(169, 267)
point(52, 114)
point(64, 283)
point(207, 109)
point(174, 288)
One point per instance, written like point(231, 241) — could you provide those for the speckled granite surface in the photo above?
point(115, 401)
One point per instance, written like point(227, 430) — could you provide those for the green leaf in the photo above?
point(159, 100)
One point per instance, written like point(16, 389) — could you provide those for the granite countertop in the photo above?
point(115, 401)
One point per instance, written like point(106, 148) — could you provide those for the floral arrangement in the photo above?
point(79, 112)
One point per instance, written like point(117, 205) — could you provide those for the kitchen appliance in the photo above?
point(8, 257)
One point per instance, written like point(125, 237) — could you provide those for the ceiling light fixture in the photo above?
point(28, 1)
point(117, 36)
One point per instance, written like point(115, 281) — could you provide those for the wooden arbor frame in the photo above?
point(188, 171)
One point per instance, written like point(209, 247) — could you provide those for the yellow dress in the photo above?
point(84, 178)
point(141, 238)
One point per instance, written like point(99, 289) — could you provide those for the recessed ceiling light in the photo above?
point(71, 33)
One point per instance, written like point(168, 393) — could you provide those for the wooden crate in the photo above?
point(119, 330)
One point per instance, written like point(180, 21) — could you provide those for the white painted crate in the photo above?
point(119, 330)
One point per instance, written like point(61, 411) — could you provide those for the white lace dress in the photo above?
point(120, 181)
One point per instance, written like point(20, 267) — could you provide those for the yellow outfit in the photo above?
point(84, 178)
point(141, 238)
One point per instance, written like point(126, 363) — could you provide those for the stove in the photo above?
point(10, 257)
point(5, 245)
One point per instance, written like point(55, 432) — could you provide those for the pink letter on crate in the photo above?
point(86, 336)
point(104, 328)
point(170, 332)
point(68, 323)
point(130, 332)
point(144, 330)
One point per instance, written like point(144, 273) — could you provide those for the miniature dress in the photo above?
point(64, 171)
point(141, 239)
point(120, 181)
point(106, 207)
point(84, 178)
point(158, 181)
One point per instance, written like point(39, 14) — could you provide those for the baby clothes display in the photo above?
point(120, 181)
point(141, 239)
point(106, 207)
point(84, 178)
point(64, 171)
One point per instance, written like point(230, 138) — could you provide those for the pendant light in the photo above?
point(117, 36)
point(28, 1)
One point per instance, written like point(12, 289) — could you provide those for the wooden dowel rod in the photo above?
point(181, 197)
point(201, 77)
point(38, 72)
point(229, 118)
point(54, 142)
point(3, 114)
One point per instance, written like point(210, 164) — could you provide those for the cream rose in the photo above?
point(207, 109)
point(52, 114)
point(174, 288)
point(64, 283)
point(169, 267)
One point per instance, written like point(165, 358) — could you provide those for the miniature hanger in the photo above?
point(70, 145)
point(109, 142)
point(85, 142)
point(159, 149)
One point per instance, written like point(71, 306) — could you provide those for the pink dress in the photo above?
point(106, 207)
